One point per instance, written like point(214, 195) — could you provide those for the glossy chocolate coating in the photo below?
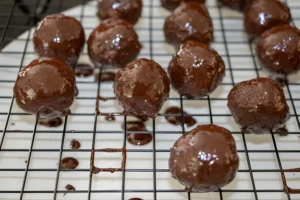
point(258, 105)
point(142, 88)
point(196, 70)
point(113, 42)
point(262, 15)
point(172, 4)
point(61, 37)
point(46, 88)
point(190, 21)
point(236, 4)
point(279, 50)
point(204, 159)
point(129, 10)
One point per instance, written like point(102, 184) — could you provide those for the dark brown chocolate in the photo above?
point(61, 37)
point(75, 144)
point(196, 70)
point(142, 88)
point(172, 4)
point(84, 70)
point(279, 50)
point(189, 21)
point(113, 42)
point(204, 159)
point(138, 139)
point(129, 10)
point(258, 105)
point(282, 131)
point(262, 15)
point(52, 122)
point(46, 88)
point(110, 118)
point(70, 187)
point(135, 199)
point(69, 163)
point(236, 4)
point(177, 120)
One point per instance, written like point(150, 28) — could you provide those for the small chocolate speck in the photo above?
point(75, 144)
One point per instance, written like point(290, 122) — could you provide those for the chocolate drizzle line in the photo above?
point(282, 131)
point(286, 188)
point(97, 170)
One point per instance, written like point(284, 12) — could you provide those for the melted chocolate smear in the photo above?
point(176, 120)
point(110, 118)
point(286, 188)
point(282, 131)
point(69, 163)
point(12, 124)
point(138, 139)
point(75, 144)
point(83, 70)
point(106, 77)
point(52, 123)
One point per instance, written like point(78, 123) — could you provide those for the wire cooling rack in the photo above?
point(30, 153)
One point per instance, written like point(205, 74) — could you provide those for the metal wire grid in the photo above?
point(214, 115)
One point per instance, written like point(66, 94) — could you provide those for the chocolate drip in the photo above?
point(177, 120)
point(75, 144)
point(69, 163)
point(52, 123)
point(84, 70)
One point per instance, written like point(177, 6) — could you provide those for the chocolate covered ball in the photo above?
point(196, 70)
point(258, 105)
point(262, 15)
point(190, 21)
point(129, 10)
point(45, 88)
point(113, 42)
point(172, 4)
point(61, 37)
point(142, 87)
point(204, 159)
point(279, 50)
point(236, 4)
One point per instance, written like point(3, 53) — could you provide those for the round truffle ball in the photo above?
point(190, 21)
point(142, 87)
point(129, 10)
point(279, 50)
point(46, 88)
point(196, 70)
point(172, 4)
point(236, 4)
point(262, 15)
point(204, 159)
point(113, 42)
point(61, 37)
point(258, 105)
